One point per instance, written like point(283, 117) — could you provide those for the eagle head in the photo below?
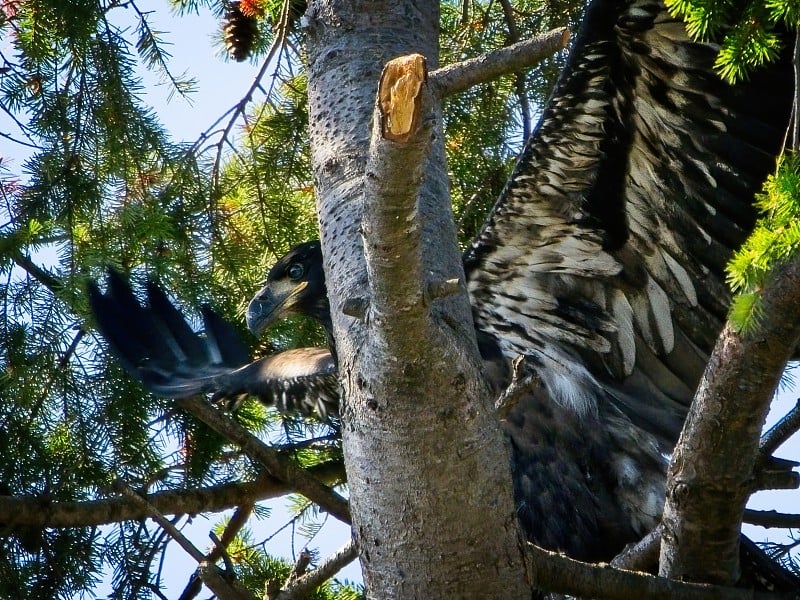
point(294, 286)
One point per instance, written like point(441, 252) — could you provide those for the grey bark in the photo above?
point(427, 465)
point(458, 77)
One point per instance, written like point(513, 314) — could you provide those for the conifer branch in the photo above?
point(224, 587)
point(240, 107)
point(277, 465)
point(156, 57)
point(156, 515)
point(299, 587)
point(461, 76)
point(27, 511)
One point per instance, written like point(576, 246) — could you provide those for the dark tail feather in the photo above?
point(114, 324)
point(155, 344)
point(175, 323)
point(223, 339)
point(140, 334)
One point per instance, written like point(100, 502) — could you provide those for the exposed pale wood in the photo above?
point(398, 93)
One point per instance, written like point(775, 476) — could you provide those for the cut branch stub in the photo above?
point(398, 91)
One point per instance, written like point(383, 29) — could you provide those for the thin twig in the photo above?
point(11, 138)
point(519, 77)
point(173, 531)
point(781, 431)
point(239, 108)
point(795, 120)
point(300, 587)
point(160, 56)
point(48, 384)
point(221, 551)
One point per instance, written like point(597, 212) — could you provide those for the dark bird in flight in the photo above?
point(602, 263)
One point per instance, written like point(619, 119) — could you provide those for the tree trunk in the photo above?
point(427, 464)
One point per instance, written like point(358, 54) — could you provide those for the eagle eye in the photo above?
point(295, 271)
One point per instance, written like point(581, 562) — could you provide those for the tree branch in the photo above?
point(771, 518)
point(712, 465)
point(28, 511)
point(561, 574)
point(460, 76)
point(218, 582)
point(782, 430)
point(642, 555)
point(413, 393)
point(413, 354)
point(169, 527)
point(393, 176)
point(766, 477)
point(54, 284)
point(300, 587)
point(235, 524)
point(277, 465)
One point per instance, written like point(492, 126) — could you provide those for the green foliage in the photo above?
point(150, 47)
point(776, 238)
point(486, 125)
point(746, 31)
point(254, 567)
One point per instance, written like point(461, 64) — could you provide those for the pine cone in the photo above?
point(240, 32)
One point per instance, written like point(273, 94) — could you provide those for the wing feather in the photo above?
point(156, 345)
point(604, 256)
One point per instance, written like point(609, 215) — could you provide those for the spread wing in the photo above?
point(155, 344)
point(604, 258)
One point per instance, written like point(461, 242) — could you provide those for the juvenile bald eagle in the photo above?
point(602, 263)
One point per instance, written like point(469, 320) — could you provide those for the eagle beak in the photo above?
point(272, 303)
